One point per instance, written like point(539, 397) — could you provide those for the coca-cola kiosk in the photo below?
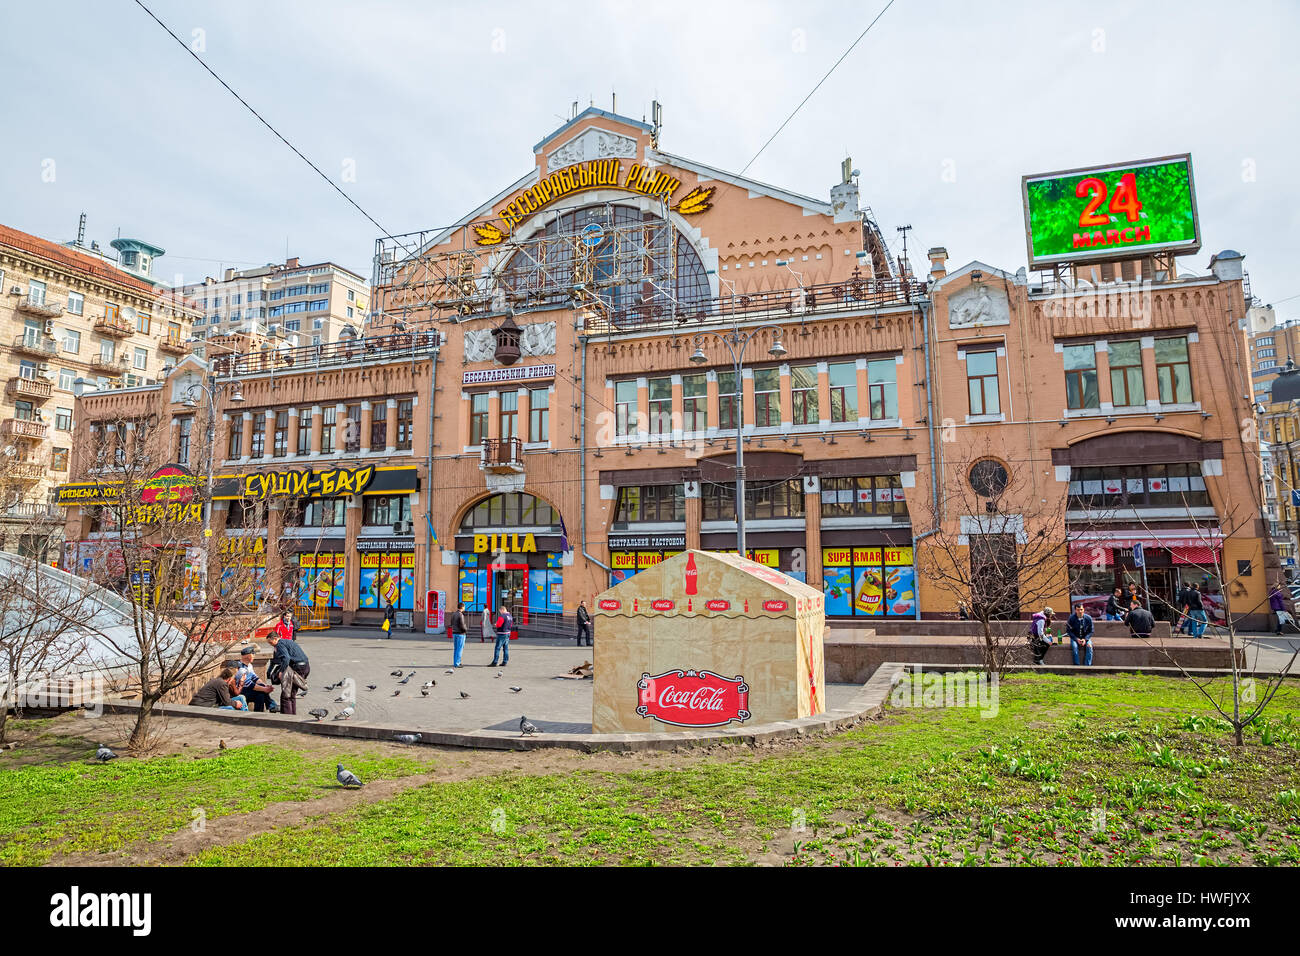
point(707, 640)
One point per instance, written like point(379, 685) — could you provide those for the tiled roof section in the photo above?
point(70, 259)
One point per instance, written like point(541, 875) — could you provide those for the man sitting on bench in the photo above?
point(1140, 621)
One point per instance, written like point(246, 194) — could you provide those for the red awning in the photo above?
point(1086, 554)
point(1199, 554)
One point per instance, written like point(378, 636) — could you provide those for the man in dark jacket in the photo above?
point(1141, 622)
point(287, 654)
point(1115, 606)
point(1079, 627)
point(584, 624)
point(504, 624)
point(456, 625)
point(1194, 608)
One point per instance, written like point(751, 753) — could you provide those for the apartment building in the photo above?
point(68, 313)
point(301, 304)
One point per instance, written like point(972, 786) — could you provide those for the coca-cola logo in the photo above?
point(688, 698)
point(776, 605)
point(609, 605)
point(718, 605)
point(661, 605)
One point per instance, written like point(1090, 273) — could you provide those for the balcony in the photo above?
point(24, 471)
point(32, 343)
point(118, 328)
point(31, 511)
point(31, 389)
point(502, 456)
point(42, 307)
point(173, 345)
point(109, 366)
point(23, 428)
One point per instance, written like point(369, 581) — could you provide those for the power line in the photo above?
point(261, 120)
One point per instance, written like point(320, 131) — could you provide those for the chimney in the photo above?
point(938, 263)
point(230, 274)
point(1226, 266)
point(291, 263)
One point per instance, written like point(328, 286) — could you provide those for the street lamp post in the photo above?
point(737, 342)
point(211, 390)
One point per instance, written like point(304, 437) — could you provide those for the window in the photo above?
point(1173, 371)
point(767, 396)
point(71, 341)
point(36, 292)
point(352, 428)
point(763, 499)
point(982, 382)
point(539, 415)
point(141, 359)
point(379, 426)
point(351, 296)
point(319, 513)
point(304, 431)
point(1265, 353)
point(695, 402)
point(727, 397)
point(349, 312)
point(216, 302)
point(142, 321)
point(660, 392)
point(259, 435)
point(185, 427)
point(1110, 487)
point(405, 423)
point(803, 394)
point(882, 389)
point(76, 303)
point(67, 377)
point(386, 509)
point(513, 511)
point(1081, 376)
point(59, 459)
point(27, 370)
point(989, 478)
point(508, 419)
point(107, 349)
point(235, 444)
point(24, 411)
point(842, 378)
point(650, 503)
point(478, 418)
point(1126, 385)
point(327, 416)
point(863, 496)
point(293, 325)
point(63, 419)
point(1266, 340)
point(625, 412)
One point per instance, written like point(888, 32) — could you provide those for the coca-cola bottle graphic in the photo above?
point(692, 575)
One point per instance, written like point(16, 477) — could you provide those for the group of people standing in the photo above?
point(497, 629)
point(240, 687)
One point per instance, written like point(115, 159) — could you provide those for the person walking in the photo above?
point(1080, 627)
point(584, 624)
point(1040, 635)
point(1194, 606)
point(390, 619)
point(486, 631)
point(284, 627)
point(1277, 604)
point(288, 659)
point(963, 612)
point(504, 624)
point(457, 627)
point(1115, 605)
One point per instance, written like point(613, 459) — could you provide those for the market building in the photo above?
point(547, 395)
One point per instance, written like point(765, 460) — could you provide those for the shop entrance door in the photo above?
point(510, 587)
point(1160, 582)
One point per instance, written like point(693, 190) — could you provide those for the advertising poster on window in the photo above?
point(837, 583)
point(868, 592)
point(900, 590)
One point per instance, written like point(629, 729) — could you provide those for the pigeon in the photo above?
point(429, 683)
point(396, 692)
point(345, 713)
point(320, 713)
point(347, 777)
point(340, 700)
point(449, 671)
point(423, 692)
point(498, 675)
point(408, 738)
point(515, 689)
point(405, 679)
point(463, 695)
point(221, 745)
point(104, 755)
point(527, 728)
point(371, 686)
point(394, 673)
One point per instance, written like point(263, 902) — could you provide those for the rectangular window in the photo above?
point(352, 428)
point(184, 428)
point(727, 400)
point(767, 396)
point(1126, 383)
point(76, 303)
point(539, 415)
point(27, 370)
point(63, 419)
point(650, 503)
point(625, 411)
point(71, 341)
point(509, 417)
point(1081, 376)
point(23, 411)
point(882, 389)
point(803, 394)
point(1173, 371)
point(386, 509)
point(280, 444)
point(767, 499)
point(66, 379)
point(661, 405)
point(982, 382)
point(141, 359)
point(304, 431)
point(478, 418)
point(59, 459)
point(405, 423)
point(107, 349)
point(142, 322)
point(259, 434)
point(327, 416)
point(863, 496)
point(695, 402)
point(235, 444)
point(36, 292)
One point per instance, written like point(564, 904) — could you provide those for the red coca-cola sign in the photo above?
point(688, 698)
point(608, 605)
point(718, 605)
point(661, 605)
point(776, 605)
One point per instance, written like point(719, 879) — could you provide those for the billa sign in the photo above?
point(505, 544)
point(693, 698)
point(593, 174)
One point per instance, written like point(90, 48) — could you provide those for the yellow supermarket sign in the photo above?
point(840, 557)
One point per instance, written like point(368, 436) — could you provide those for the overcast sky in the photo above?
point(437, 106)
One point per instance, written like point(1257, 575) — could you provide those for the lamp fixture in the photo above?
point(698, 357)
point(777, 350)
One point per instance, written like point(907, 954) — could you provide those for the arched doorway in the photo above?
point(510, 549)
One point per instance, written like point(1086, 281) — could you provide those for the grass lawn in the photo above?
point(1070, 770)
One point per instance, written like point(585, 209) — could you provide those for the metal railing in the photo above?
point(507, 453)
point(35, 343)
point(107, 326)
point(46, 308)
point(366, 350)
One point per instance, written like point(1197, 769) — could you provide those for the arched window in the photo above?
point(545, 275)
point(510, 511)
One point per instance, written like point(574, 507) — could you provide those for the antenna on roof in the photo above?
point(81, 230)
point(613, 102)
point(656, 120)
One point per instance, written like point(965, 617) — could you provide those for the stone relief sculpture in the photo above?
point(591, 144)
point(480, 345)
point(978, 305)
point(537, 338)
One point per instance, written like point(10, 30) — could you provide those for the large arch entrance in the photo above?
point(510, 549)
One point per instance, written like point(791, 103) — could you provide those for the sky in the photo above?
point(422, 111)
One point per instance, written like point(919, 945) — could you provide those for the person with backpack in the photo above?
point(1040, 635)
point(504, 624)
point(457, 628)
point(1079, 627)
